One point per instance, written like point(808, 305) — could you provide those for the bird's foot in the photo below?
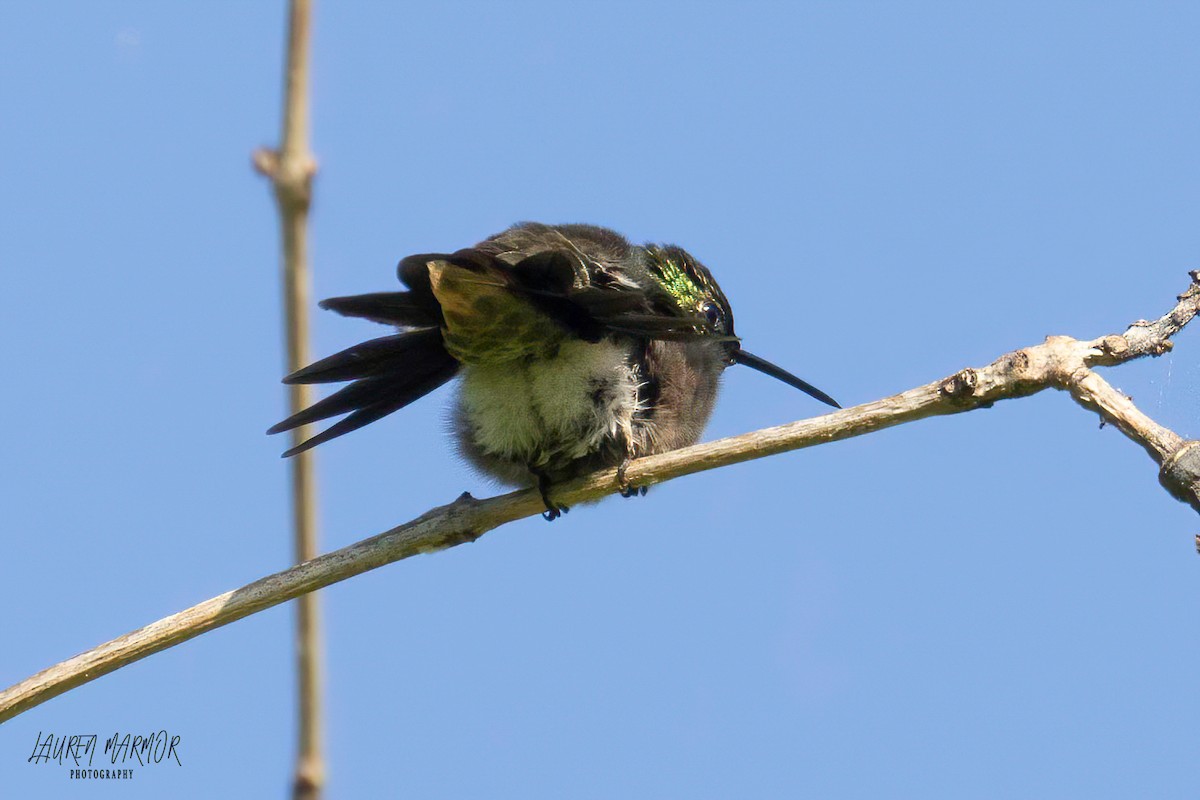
point(553, 510)
point(626, 490)
point(553, 513)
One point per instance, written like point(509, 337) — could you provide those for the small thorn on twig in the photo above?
point(464, 501)
point(266, 162)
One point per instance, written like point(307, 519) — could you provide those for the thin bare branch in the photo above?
point(1060, 362)
point(291, 170)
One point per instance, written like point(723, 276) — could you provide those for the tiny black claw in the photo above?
point(626, 490)
point(553, 510)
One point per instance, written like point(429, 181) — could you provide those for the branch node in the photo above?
point(463, 507)
point(961, 385)
point(1018, 361)
point(307, 784)
point(266, 162)
point(291, 175)
point(1180, 474)
point(1114, 346)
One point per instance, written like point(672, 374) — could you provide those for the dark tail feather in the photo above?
point(391, 373)
point(349, 398)
point(389, 308)
point(386, 355)
point(391, 398)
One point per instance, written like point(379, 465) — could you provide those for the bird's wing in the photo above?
point(586, 297)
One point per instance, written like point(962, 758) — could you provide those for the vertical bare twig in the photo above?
point(291, 169)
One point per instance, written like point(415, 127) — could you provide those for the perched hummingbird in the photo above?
point(577, 349)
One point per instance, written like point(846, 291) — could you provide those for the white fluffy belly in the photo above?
point(552, 409)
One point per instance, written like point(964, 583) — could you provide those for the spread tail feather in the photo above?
point(389, 308)
point(383, 356)
point(388, 374)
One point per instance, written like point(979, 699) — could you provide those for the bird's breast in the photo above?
point(546, 411)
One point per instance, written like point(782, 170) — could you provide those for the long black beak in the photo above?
point(740, 356)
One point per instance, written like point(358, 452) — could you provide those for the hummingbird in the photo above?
point(577, 351)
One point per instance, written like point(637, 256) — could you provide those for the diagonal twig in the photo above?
point(1060, 363)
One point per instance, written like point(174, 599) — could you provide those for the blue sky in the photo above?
point(997, 604)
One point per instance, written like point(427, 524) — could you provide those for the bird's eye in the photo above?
point(715, 316)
